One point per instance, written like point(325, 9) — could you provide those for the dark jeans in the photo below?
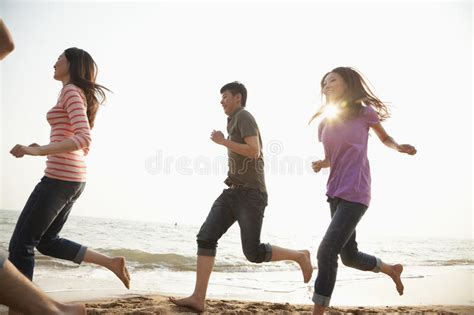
point(40, 222)
point(340, 239)
point(244, 205)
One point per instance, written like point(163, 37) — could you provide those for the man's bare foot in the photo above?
point(191, 302)
point(120, 269)
point(305, 264)
point(396, 277)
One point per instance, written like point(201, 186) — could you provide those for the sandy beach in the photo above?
point(443, 294)
point(160, 305)
point(449, 293)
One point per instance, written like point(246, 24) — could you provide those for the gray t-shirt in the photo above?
point(243, 170)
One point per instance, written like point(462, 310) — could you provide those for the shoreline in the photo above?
point(448, 292)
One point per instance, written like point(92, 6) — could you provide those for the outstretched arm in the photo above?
point(34, 149)
point(6, 41)
point(76, 111)
point(390, 142)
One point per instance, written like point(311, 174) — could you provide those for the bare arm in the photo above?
point(34, 149)
point(80, 126)
point(250, 149)
point(318, 165)
point(390, 142)
point(6, 41)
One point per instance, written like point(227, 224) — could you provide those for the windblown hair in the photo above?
point(357, 95)
point(83, 73)
point(236, 88)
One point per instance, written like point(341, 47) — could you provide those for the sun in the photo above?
point(330, 111)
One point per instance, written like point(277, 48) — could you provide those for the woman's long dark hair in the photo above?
point(83, 73)
point(358, 94)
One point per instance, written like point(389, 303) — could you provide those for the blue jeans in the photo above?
point(340, 239)
point(40, 222)
point(244, 205)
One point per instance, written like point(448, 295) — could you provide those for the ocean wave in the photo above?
point(145, 260)
point(53, 263)
point(176, 262)
point(450, 262)
point(142, 260)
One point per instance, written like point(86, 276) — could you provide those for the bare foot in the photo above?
point(305, 265)
point(72, 309)
point(395, 275)
point(191, 302)
point(120, 269)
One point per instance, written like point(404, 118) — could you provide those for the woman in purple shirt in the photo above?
point(351, 109)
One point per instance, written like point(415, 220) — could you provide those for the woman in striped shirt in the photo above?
point(49, 205)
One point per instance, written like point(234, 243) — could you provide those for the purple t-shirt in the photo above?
point(345, 145)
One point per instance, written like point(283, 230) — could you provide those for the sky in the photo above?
point(151, 158)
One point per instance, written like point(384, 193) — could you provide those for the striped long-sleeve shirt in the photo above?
point(68, 120)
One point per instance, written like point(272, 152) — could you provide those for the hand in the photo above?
point(217, 137)
point(317, 165)
point(19, 150)
point(406, 148)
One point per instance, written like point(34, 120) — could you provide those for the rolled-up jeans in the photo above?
point(244, 205)
point(340, 239)
point(40, 222)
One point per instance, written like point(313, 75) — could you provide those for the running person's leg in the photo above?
point(43, 217)
point(250, 213)
point(218, 221)
point(352, 257)
point(343, 223)
point(44, 205)
point(21, 295)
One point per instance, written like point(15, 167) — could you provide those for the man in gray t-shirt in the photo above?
point(244, 201)
point(244, 170)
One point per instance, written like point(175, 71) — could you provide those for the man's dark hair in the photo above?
point(235, 88)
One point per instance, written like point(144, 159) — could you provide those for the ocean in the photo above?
point(162, 259)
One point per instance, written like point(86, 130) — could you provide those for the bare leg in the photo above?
point(22, 296)
point(318, 309)
point(302, 257)
point(114, 264)
point(198, 299)
point(394, 272)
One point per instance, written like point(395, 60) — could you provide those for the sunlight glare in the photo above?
point(330, 111)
